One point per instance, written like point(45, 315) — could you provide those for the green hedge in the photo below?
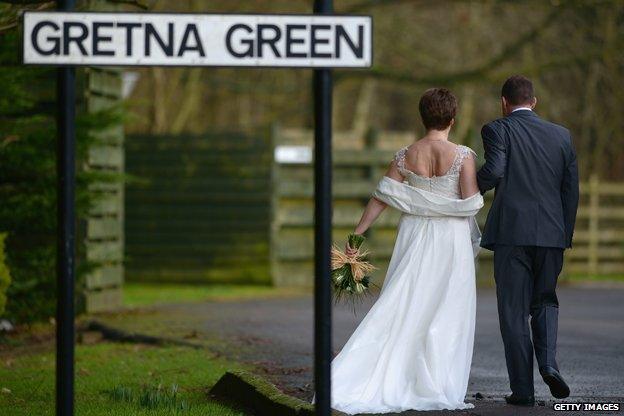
point(199, 211)
point(28, 182)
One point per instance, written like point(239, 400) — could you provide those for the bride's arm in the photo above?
point(374, 207)
point(372, 211)
point(468, 177)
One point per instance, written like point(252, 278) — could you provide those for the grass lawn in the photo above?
point(147, 294)
point(117, 379)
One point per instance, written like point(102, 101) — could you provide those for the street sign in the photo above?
point(165, 39)
point(320, 41)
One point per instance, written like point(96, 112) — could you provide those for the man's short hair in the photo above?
point(438, 107)
point(518, 90)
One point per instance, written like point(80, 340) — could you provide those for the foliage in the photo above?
point(5, 276)
point(118, 379)
point(151, 397)
point(350, 273)
point(571, 49)
point(28, 182)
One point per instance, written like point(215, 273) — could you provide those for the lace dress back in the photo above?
point(446, 185)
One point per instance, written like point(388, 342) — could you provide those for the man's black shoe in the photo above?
point(520, 400)
point(558, 387)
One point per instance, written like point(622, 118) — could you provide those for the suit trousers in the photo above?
point(526, 279)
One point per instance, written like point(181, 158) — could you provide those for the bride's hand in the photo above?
point(349, 251)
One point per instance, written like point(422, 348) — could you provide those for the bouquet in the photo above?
point(350, 273)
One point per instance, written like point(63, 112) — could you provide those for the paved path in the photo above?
point(277, 335)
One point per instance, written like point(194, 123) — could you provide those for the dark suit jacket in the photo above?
point(531, 163)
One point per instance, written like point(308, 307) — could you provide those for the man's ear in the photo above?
point(534, 103)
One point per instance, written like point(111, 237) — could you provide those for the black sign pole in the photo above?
point(322, 229)
point(65, 167)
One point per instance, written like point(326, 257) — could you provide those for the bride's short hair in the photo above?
point(438, 107)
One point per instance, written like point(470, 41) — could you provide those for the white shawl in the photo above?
point(415, 201)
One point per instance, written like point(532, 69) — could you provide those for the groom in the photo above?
point(531, 164)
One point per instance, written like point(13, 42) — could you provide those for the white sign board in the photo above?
point(60, 38)
point(292, 154)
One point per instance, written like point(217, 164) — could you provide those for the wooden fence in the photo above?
point(359, 163)
point(197, 208)
point(103, 231)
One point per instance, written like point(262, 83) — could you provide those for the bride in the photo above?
point(413, 349)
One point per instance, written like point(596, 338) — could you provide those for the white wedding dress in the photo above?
point(413, 349)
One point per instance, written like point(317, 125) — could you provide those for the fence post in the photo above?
point(104, 225)
point(274, 225)
point(370, 144)
point(594, 203)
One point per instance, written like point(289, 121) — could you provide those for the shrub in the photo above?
point(28, 182)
